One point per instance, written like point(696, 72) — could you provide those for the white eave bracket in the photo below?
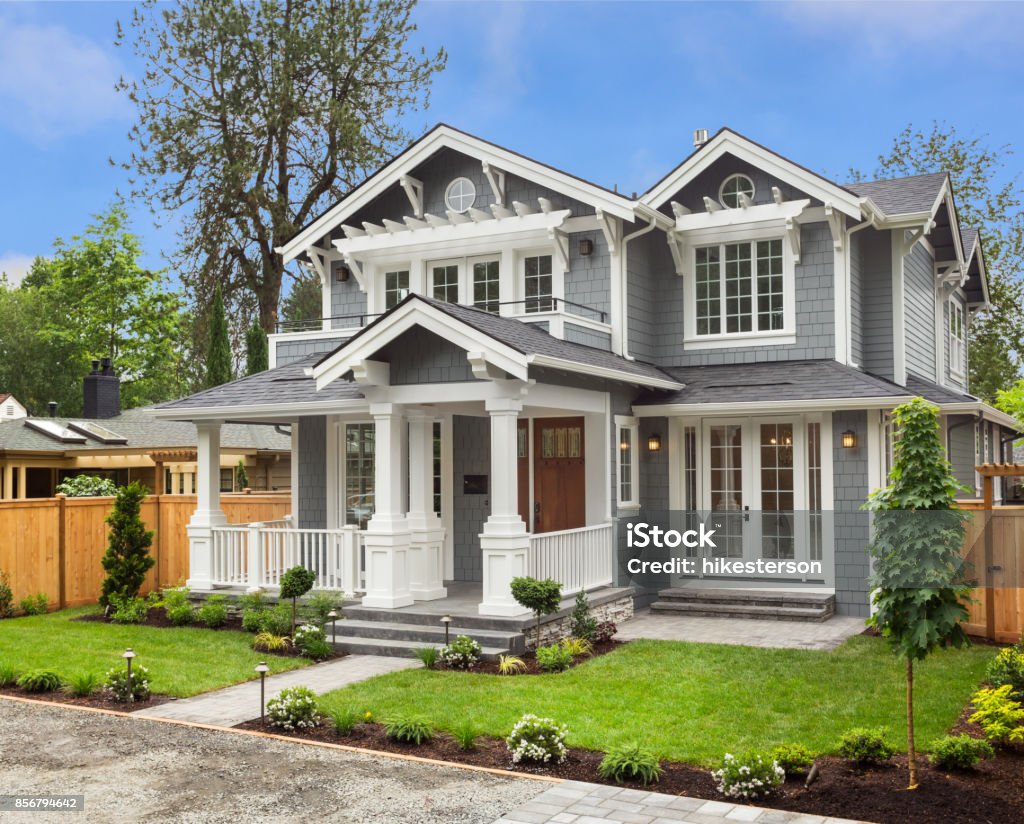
point(948, 276)
point(497, 180)
point(318, 262)
point(611, 229)
point(414, 191)
point(677, 246)
point(371, 373)
point(918, 235)
point(836, 225)
point(483, 370)
point(793, 233)
point(356, 268)
point(561, 243)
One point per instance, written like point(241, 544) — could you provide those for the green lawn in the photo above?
point(693, 702)
point(181, 661)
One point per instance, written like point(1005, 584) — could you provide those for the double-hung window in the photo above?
point(739, 288)
point(627, 466)
point(396, 287)
point(485, 285)
point(538, 283)
point(957, 339)
point(444, 281)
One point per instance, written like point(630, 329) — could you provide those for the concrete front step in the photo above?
point(357, 645)
point(427, 634)
point(709, 610)
point(739, 603)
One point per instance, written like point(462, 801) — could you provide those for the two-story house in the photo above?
point(514, 364)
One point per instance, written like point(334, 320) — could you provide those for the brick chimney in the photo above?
point(102, 391)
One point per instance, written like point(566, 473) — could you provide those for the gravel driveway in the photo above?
point(133, 770)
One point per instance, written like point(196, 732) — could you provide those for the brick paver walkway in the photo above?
point(233, 705)
point(576, 802)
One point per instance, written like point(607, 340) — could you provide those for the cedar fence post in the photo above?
point(62, 532)
point(990, 592)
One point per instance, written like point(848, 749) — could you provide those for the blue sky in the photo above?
point(609, 91)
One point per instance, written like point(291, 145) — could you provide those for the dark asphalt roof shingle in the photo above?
point(937, 394)
point(142, 431)
point(902, 195)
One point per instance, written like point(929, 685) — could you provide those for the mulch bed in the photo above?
point(533, 668)
point(994, 793)
point(99, 700)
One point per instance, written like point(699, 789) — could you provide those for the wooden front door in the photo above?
point(559, 474)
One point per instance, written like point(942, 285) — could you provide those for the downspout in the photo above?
point(623, 302)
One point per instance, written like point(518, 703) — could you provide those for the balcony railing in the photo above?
point(579, 559)
point(317, 324)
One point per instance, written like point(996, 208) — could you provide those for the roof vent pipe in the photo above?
point(52, 407)
point(700, 137)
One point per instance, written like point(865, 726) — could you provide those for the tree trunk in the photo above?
point(268, 294)
point(911, 753)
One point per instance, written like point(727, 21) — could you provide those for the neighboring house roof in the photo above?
point(4, 396)
point(904, 195)
point(142, 432)
point(534, 345)
point(969, 239)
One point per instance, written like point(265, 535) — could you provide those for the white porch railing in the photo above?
point(577, 558)
point(258, 554)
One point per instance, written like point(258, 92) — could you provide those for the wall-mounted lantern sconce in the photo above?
point(586, 247)
point(849, 439)
point(654, 443)
point(342, 274)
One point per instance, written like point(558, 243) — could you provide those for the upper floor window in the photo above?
point(538, 283)
point(485, 285)
point(732, 188)
point(445, 282)
point(957, 340)
point(460, 195)
point(396, 287)
point(739, 288)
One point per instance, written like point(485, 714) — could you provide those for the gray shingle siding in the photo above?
point(960, 445)
point(289, 351)
point(588, 281)
point(588, 337)
point(471, 456)
point(346, 301)
point(856, 296)
point(919, 312)
point(312, 472)
point(876, 303)
point(420, 356)
point(851, 525)
point(709, 183)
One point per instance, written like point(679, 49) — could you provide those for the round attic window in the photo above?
point(460, 195)
point(733, 187)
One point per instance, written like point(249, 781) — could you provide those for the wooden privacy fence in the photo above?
point(994, 546)
point(54, 545)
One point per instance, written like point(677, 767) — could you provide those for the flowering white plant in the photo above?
point(462, 653)
point(749, 776)
point(117, 684)
point(537, 739)
point(295, 708)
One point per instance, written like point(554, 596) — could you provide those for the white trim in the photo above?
point(602, 372)
point(769, 407)
point(448, 194)
point(734, 176)
point(740, 339)
point(631, 425)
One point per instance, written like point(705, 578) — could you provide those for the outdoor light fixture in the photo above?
point(447, 621)
point(332, 616)
point(341, 274)
point(263, 669)
point(586, 247)
point(128, 655)
point(849, 439)
point(654, 443)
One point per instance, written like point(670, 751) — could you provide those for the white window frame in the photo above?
point(725, 340)
point(459, 277)
point(727, 181)
point(556, 292)
point(448, 194)
point(957, 345)
point(390, 270)
point(631, 425)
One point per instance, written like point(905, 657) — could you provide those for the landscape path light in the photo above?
point(128, 655)
point(263, 669)
point(447, 621)
point(332, 616)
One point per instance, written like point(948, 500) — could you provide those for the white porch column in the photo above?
point(426, 547)
point(387, 534)
point(504, 543)
point(208, 513)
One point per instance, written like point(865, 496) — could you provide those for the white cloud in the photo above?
point(15, 266)
point(55, 83)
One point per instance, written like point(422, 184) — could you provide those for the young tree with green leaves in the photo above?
point(252, 117)
point(919, 597)
point(990, 198)
point(257, 353)
point(304, 302)
point(127, 559)
point(218, 352)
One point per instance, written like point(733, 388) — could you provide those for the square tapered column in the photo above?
point(426, 543)
point(208, 513)
point(387, 534)
point(505, 543)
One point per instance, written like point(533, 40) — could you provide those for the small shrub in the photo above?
point(1008, 668)
point(37, 604)
point(426, 655)
point(214, 612)
point(294, 708)
point(510, 665)
point(630, 763)
point(252, 619)
point(866, 745)
point(346, 720)
point(554, 658)
point(277, 620)
point(604, 632)
point(128, 610)
point(537, 739)
point(583, 624)
point(83, 684)
point(317, 650)
point(959, 752)
point(177, 606)
point(577, 646)
point(6, 596)
point(315, 610)
point(998, 715)
point(748, 776)
point(793, 758)
point(40, 681)
point(127, 559)
point(116, 684)
point(8, 675)
point(540, 597)
point(254, 599)
point(86, 486)
point(306, 634)
point(408, 730)
point(295, 583)
point(462, 653)
point(268, 642)
point(465, 736)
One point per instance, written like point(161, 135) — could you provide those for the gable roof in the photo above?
point(905, 195)
point(513, 344)
point(443, 135)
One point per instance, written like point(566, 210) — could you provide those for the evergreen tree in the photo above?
point(257, 355)
point(127, 559)
point(218, 353)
